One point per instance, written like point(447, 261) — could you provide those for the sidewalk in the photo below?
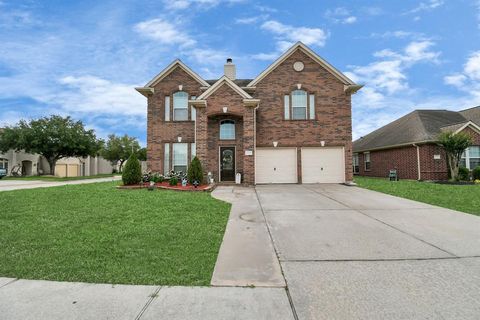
point(7, 185)
point(42, 300)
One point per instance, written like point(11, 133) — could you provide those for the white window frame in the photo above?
point(166, 158)
point(365, 154)
point(177, 107)
point(356, 163)
point(167, 108)
point(231, 122)
point(177, 161)
point(467, 157)
point(4, 161)
point(299, 107)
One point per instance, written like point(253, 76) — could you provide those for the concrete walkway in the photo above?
point(247, 256)
point(7, 185)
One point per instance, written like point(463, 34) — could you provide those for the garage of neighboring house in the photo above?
point(318, 165)
point(67, 170)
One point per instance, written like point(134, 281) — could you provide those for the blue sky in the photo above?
point(83, 58)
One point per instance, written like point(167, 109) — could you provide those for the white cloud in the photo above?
point(251, 20)
point(164, 32)
point(398, 34)
point(472, 67)
point(287, 35)
point(468, 80)
point(202, 4)
point(456, 80)
point(427, 6)
point(340, 15)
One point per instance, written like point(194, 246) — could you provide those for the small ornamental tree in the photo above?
point(454, 145)
point(118, 149)
point(195, 171)
point(132, 174)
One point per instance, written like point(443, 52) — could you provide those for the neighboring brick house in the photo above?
point(291, 124)
point(409, 145)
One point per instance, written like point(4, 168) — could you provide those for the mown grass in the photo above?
point(464, 198)
point(96, 233)
point(53, 178)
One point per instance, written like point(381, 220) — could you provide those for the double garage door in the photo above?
point(318, 165)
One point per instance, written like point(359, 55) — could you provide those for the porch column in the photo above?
point(249, 145)
point(201, 143)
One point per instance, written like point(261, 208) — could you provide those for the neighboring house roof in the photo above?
point(419, 126)
point(472, 114)
point(300, 46)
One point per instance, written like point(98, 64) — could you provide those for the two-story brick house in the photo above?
point(291, 124)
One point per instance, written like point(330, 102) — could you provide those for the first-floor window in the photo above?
point(366, 157)
point(166, 159)
point(471, 158)
point(180, 157)
point(4, 164)
point(356, 167)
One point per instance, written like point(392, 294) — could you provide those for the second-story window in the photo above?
point(227, 130)
point(299, 105)
point(180, 106)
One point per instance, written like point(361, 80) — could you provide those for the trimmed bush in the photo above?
point(476, 173)
point(463, 174)
point(173, 181)
point(132, 173)
point(195, 171)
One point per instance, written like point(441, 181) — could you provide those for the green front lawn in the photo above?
point(53, 178)
point(97, 233)
point(464, 198)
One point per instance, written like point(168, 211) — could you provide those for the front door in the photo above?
point(227, 163)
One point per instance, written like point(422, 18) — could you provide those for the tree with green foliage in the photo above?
point(133, 171)
point(454, 145)
point(53, 137)
point(119, 149)
point(142, 154)
point(195, 171)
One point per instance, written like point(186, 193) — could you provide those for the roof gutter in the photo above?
point(418, 161)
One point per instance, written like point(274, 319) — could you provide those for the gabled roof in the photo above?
point(220, 82)
point(238, 82)
point(472, 114)
point(300, 46)
point(419, 126)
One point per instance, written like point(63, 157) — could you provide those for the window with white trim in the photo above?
point(180, 157)
point(299, 105)
point(227, 130)
point(366, 159)
point(4, 164)
point(180, 106)
point(167, 108)
point(356, 166)
point(471, 158)
point(166, 158)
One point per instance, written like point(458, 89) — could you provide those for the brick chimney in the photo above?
point(229, 69)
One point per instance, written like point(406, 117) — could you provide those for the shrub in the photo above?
point(132, 173)
point(195, 171)
point(173, 181)
point(476, 173)
point(463, 174)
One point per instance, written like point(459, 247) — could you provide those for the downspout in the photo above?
point(418, 162)
point(255, 144)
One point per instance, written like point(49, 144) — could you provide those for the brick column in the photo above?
point(249, 144)
point(201, 137)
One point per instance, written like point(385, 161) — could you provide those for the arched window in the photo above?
point(180, 106)
point(299, 105)
point(227, 130)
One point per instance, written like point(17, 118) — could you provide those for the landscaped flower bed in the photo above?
point(166, 185)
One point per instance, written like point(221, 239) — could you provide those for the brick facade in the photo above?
point(255, 127)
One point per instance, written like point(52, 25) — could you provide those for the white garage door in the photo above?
point(276, 165)
point(323, 165)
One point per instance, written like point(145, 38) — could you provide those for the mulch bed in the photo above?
point(167, 186)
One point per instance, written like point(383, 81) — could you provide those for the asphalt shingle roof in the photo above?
point(417, 126)
point(238, 82)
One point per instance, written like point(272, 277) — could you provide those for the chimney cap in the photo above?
point(229, 60)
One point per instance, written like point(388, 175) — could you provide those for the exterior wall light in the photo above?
point(180, 87)
point(275, 144)
point(179, 139)
point(225, 109)
point(299, 86)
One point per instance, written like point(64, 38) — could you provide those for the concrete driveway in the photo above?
point(8, 185)
point(351, 253)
